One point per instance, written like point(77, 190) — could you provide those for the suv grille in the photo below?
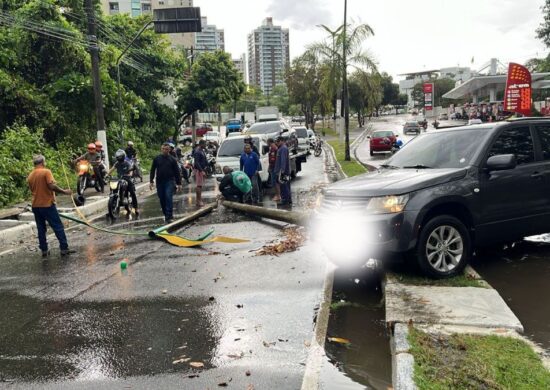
point(344, 205)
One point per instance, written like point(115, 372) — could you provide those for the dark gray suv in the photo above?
point(443, 194)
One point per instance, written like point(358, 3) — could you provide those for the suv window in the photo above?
point(516, 141)
point(543, 133)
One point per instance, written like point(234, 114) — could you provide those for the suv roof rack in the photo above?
point(527, 118)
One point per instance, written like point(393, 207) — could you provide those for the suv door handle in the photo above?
point(537, 175)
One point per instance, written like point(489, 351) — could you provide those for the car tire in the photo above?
point(444, 247)
point(371, 153)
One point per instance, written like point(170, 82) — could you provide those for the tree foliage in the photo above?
point(303, 80)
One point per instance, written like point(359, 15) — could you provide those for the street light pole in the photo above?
point(345, 83)
point(98, 98)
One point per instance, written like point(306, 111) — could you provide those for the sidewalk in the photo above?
point(14, 231)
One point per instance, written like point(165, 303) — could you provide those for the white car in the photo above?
point(474, 122)
point(229, 154)
point(303, 137)
point(212, 136)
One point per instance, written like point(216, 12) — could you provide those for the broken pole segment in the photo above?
point(294, 217)
point(183, 221)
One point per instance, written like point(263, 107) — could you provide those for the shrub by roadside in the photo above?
point(17, 147)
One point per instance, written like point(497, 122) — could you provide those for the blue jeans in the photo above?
point(50, 215)
point(286, 195)
point(165, 192)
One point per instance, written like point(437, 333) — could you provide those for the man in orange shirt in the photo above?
point(43, 188)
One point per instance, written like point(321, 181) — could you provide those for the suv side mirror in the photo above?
point(501, 162)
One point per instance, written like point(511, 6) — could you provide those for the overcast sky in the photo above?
point(409, 35)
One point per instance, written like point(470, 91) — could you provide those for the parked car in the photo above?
point(474, 121)
point(381, 141)
point(442, 196)
point(303, 137)
point(233, 126)
point(201, 129)
point(229, 154)
point(443, 117)
point(411, 127)
point(213, 136)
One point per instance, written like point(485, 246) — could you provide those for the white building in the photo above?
point(240, 64)
point(268, 55)
point(210, 39)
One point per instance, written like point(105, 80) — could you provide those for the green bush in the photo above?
point(17, 147)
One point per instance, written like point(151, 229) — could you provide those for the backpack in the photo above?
point(241, 181)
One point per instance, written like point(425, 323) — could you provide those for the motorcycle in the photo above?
point(186, 168)
point(211, 166)
point(318, 147)
point(87, 178)
point(396, 146)
point(137, 170)
point(118, 197)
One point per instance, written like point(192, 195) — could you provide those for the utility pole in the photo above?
point(345, 84)
point(94, 53)
point(194, 114)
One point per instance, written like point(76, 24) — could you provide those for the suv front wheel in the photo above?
point(444, 247)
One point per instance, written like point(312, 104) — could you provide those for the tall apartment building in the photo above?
point(268, 55)
point(140, 7)
point(210, 39)
point(240, 64)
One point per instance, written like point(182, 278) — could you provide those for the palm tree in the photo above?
point(349, 38)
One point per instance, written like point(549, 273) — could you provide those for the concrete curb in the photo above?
point(401, 360)
point(338, 166)
point(317, 347)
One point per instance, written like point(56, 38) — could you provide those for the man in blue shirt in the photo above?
point(282, 171)
point(250, 164)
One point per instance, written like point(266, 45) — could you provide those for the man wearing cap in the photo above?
point(165, 169)
point(43, 189)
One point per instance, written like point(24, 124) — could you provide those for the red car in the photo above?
point(202, 128)
point(381, 141)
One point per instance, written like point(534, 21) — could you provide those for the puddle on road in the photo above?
point(44, 341)
point(520, 275)
point(366, 361)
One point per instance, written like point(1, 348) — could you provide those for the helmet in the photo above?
point(91, 147)
point(247, 138)
point(120, 155)
point(98, 144)
point(130, 143)
point(171, 145)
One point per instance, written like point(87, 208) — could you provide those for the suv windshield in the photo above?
point(301, 132)
point(451, 149)
point(265, 128)
point(232, 147)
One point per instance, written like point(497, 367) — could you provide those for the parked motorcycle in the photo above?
point(87, 178)
point(318, 147)
point(118, 197)
point(211, 166)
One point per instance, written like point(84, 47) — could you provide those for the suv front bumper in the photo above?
point(351, 240)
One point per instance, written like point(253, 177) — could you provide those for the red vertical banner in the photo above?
point(517, 96)
point(428, 96)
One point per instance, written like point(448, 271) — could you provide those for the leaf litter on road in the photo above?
point(294, 238)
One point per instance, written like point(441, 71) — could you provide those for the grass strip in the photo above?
point(350, 168)
point(457, 281)
point(463, 361)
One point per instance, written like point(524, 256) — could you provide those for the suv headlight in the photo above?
point(387, 204)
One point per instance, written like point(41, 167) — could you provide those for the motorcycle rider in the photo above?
point(124, 170)
point(131, 153)
point(95, 159)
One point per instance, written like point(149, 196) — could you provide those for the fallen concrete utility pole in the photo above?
point(183, 221)
point(294, 217)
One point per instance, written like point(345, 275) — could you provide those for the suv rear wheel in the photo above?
point(444, 247)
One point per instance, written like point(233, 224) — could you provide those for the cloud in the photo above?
point(300, 14)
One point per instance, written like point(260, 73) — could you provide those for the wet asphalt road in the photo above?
point(82, 322)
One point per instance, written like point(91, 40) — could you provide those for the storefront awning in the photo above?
point(477, 83)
